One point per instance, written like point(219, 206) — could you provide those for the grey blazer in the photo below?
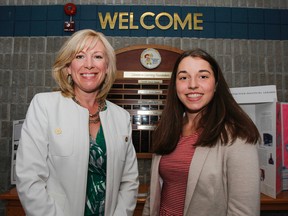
point(222, 181)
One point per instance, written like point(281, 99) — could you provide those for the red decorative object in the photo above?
point(70, 9)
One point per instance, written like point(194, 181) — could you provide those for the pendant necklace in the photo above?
point(93, 118)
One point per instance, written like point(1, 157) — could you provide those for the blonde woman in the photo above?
point(76, 155)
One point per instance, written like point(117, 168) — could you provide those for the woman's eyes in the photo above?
point(182, 78)
point(98, 57)
point(80, 56)
point(200, 77)
point(204, 77)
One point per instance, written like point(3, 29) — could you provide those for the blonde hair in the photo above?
point(67, 53)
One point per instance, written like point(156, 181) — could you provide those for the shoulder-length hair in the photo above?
point(222, 120)
point(67, 53)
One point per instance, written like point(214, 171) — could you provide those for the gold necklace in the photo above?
point(93, 118)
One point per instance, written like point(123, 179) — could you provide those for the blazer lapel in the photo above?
point(196, 166)
point(108, 127)
point(155, 187)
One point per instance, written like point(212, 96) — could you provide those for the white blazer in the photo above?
point(222, 181)
point(53, 152)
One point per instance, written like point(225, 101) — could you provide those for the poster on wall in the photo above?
point(260, 103)
point(17, 126)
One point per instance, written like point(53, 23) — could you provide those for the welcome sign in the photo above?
point(150, 20)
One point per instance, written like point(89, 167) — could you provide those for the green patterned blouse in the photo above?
point(96, 181)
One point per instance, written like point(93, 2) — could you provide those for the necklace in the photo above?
point(93, 118)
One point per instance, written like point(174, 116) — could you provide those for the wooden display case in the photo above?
point(142, 89)
point(14, 208)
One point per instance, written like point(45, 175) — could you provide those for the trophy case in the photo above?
point(143, 75)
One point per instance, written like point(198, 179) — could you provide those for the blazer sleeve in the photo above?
point(128, 191)
point(243, 179)
point(146, 209)
point(31, 167)
point(152, 203)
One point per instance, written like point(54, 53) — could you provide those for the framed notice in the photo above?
point(17, 126)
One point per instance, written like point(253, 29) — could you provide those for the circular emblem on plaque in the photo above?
point(150, 58)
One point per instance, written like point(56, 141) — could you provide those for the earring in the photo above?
point(69, 79)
